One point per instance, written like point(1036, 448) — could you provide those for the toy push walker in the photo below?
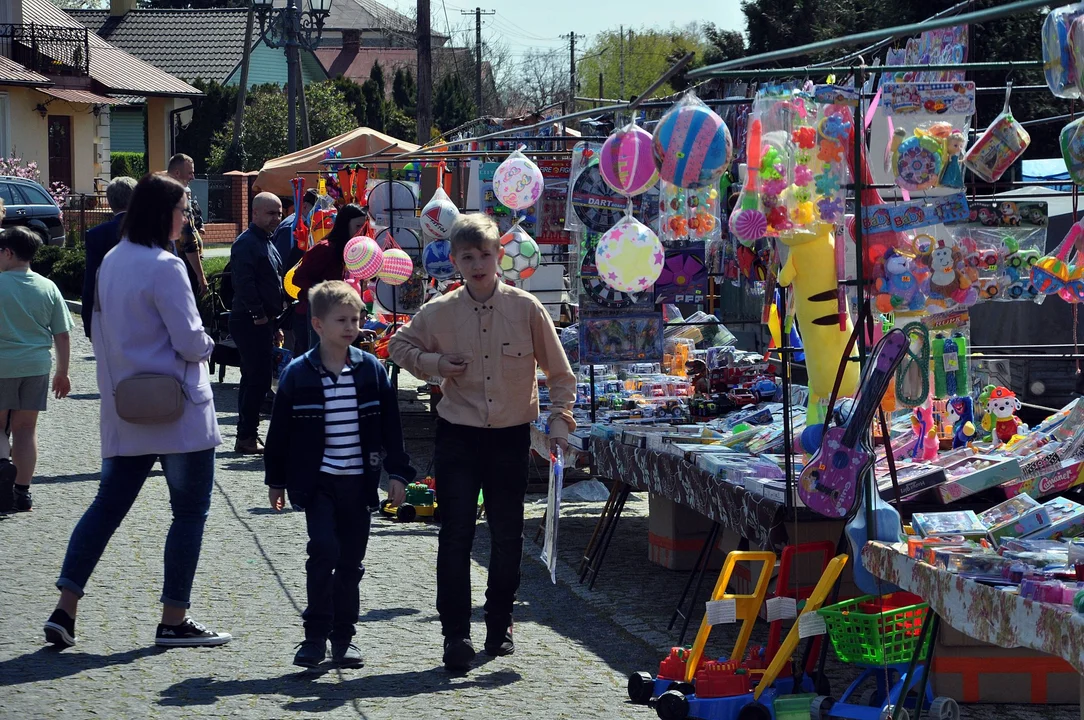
point(420, 502)
point(881, 635)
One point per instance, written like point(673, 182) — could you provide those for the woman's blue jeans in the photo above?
point(190, 477)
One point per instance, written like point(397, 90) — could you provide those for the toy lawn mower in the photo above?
point(420, 502)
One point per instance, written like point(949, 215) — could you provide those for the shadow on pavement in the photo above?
point(48, 663)
point(309, 696)
point(61, 479)
point(386, 614)
point(85, 396)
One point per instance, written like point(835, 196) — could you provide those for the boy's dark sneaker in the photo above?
point(458, 654)
point(499, 641)
point(188, 634)
point(346, 654)
point(311, 653)
point(7, 485)
point(24, 501)
point(60, 629)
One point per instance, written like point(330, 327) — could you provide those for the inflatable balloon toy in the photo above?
point(629, 256)
point(437, 260)
point(626, 161)
point(519, 255)
point(396, 267)
point(439, 214)
point(363, 257)
point(517, 182)
point(691, 144)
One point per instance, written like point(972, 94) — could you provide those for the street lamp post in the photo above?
point(292, 28)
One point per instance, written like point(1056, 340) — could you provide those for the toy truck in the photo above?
point(420, 502)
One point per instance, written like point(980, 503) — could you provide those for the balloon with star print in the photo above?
point(629, 256)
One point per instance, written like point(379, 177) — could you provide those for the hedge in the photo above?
point(132, 164)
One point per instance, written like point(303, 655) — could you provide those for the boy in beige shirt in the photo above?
point(484, 341)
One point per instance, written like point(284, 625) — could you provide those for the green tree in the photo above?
point(355, 98)
point(404, 92)
point(399, 125)
point(452, 104)
point(211, 112)
point(647, 55)
point(376, 74)
point(265, 126)
point(722, 45)
point(374, 104)
point(776, 24)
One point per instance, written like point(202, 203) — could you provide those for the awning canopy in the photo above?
point(275, 176)
point(81, 96)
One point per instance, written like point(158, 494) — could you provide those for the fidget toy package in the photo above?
point(929, 123)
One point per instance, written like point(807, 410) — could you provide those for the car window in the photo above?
point(17, 197)
point(34, 195)
point(7, 197)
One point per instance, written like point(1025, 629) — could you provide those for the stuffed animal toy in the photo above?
point(961, 411)
point(901, 289)
point(1001, 414)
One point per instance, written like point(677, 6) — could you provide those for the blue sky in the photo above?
point(524, 26)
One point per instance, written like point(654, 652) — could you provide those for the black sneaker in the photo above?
point(499, 641)
point(311, 653)
point(346, 654)
point(188, 634)
point(24, 501)
point(458, 653)
point(60, 629)
point(7, 485)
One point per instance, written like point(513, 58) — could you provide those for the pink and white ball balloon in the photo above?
point(629, 257)
point(518, 183)
point(363, 258)
point(626, 164)
point(397, 267)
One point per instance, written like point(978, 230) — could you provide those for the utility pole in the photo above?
point(572, 70)
point(478, 13)
point(424, 112)
point(600, 95)
point(621, 71)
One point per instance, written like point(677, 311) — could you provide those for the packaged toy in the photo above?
point(692, 145)
point(952, 278)
point(626, 164)
point(1072, 149)
point(1059, 62)
point(999, 147)
point(929, 123)
point(949, 357)
point(904, 285)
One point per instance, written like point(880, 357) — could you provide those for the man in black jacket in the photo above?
point(256, 270)
point(100, 239)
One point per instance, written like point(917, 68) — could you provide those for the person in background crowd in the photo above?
point(485, 340)
point(183, 169)
point(325, 260)
point(146, 323)
point(100, 239)
point(335, 414)
point(258, 300)
point(33, 318)
point(296, 330)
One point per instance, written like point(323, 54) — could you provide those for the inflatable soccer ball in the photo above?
point(519, 255)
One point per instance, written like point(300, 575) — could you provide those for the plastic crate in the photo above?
point(874, 638)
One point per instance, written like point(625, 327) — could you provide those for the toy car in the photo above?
point(420, 502)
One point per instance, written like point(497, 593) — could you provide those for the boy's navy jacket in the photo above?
point(295, 440)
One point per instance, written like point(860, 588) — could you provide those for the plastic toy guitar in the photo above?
point(828, 484)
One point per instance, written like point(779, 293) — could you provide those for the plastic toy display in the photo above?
point(691, 144)
point(629, 256)
point(438, 215)
point(627, 164)
point(363, 258)
point(517, 182)
point(519, 256)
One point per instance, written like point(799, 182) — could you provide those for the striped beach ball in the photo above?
point(397, 267)
point(626, 163)
point(692, 146)
point(362, 257)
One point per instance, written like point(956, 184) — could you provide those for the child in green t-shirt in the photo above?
point(33, 317)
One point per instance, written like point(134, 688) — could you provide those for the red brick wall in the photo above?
point(220, 233)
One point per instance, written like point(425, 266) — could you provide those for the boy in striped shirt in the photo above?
point(335, 413)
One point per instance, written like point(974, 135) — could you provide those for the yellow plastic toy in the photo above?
point(746, 606)
point(288, 283)
point(810, 272)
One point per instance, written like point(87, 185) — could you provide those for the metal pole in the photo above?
point(572, 70)
point(302, 103)
point(424, 113)
point(478, 60)
point(291, 81)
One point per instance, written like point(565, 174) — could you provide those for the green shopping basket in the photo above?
point(875, 631)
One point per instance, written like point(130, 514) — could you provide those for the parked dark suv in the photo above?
point(29, 204)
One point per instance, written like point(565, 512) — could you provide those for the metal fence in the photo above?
point(47, 49)
point(82, 212)
point(219, 200)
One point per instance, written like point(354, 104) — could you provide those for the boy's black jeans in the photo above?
point(466, 460)
point(338, 523)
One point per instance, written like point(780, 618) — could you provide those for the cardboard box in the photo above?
point(675, 535)
point(971, 671)
point(999, 472)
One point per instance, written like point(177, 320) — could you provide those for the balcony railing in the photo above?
point(47, 49)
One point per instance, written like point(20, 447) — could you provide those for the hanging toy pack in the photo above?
point(929, 124)
point(688, 216)
point(953, 277)
point(1059, 60)
point(1056, 275)
point(1002, 241)
point(903, 285)
point(691, 145)
point(948, 356)
point(1072, 149)
point(999, 147)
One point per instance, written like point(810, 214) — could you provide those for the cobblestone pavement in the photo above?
point(575, 647)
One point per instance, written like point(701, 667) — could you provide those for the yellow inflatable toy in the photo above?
point(810, 272)
point(288, 283)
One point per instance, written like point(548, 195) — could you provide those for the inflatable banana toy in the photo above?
point(810, 272)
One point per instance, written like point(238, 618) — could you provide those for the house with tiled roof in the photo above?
point(58, 86)
point(192, 45)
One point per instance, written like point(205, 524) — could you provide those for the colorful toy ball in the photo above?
point(518, 183)
point(362, 257)
point(437, 259)
point(519, 256)
point(692, 145)
point(626, 164)
point(396, 268)
point(629, 256)
point(438, 215)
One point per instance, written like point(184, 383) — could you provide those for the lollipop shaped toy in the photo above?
point(749, 224)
